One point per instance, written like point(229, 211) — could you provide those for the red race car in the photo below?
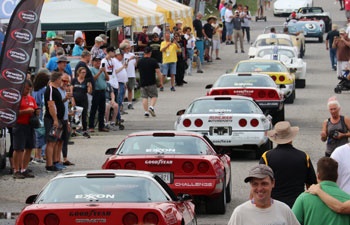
point(186, 161)
point(108, 197)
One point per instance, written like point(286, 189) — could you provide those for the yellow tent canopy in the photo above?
point(173, 10)
point(133, 14)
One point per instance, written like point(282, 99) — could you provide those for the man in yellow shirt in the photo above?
point(168, 47)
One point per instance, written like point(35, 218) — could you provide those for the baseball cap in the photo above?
point(103, 36)
point(259, 171)
point(119, 52)
point(96, 58)
point(62, 58)
point(147, 49)
point(99, 39)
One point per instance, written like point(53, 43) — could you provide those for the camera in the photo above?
point(334, 134)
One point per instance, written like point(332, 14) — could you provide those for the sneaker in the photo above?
point(51, 168)
point(151, 110)
point(27, 174)
point(242, 51)
point(236, 51)
point(161, 89)
point(34, 161)
point(103, 130)
point(199, 71)
point(41, 161)
point(123, 112)
point(172, 89)
point(86, 134)
point(18, 175)
point(59, 166)
point(68, 163)
point(146, 115)
point(130, 106)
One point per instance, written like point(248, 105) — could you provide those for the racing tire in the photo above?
point(3, 152)
point(290, 98)
point(217, 205)
point(320, 39)
point(229, 191)
point(263, 148)
point(300, 83)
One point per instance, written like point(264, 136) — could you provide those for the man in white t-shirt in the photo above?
point(130, 58)
point(261, 208)
point(342, 155)
point(122, 78)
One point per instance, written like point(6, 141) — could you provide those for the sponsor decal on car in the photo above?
point(98, 220)
point(160, 150)
point(90, 213)
point(224, 119)
point(94, 196)
point(159, 162)
point(194, 184)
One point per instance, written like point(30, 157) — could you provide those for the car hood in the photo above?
point(284, 4)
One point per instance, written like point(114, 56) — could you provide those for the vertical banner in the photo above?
point(15, 57)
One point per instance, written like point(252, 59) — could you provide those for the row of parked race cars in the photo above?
point(157, 177)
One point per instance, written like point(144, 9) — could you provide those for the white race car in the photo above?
point(289, 58)
point(271, 39)
point(286, 7)
point(230, 122)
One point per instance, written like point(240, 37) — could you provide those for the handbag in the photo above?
point(34, 121)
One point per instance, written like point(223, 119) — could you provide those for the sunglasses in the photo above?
point(65, 81)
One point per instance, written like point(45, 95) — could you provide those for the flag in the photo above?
point(15, 57)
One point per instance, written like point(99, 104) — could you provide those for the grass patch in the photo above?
point(210, 7)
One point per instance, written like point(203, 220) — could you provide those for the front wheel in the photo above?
point(290, 98)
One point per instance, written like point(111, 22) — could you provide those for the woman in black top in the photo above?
point(80, 87)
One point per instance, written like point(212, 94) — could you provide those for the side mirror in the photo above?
point(184, 197)
point(110, 151)
point(180, 112)
point(31, 199)
point(210, 85)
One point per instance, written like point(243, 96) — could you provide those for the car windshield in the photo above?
point(244, 81)
point(273, 41)
point(102, 189)
point(270, 51)
point(254, 66)
point(223, 106)
point(165, 145)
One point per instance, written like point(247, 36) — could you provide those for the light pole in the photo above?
point(114, 32)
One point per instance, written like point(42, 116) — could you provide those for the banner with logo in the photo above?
point(15, 57)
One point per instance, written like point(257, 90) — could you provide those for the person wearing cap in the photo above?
point(178, 26)
point(122, 77)
point(62, 62)
point(292, 167)
point(142, 39)
point(208, 31)
point(96, 51)
point(237, 21)
point(57, 42)
point(261, 208)
point(148, 68)
point(155, 45)
point(329, 42)
point(336, 129)
point(342, 45)
point(310, 209)
point(157, 29)
point(131, 60)
point(52, 63)
point(98, 102)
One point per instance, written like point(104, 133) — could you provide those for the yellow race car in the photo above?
point(283, 77)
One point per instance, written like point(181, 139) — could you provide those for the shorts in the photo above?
point(216, 44)
point(150, 91)
point(229, 28)
point(166, 67)
point(40, 137)
point(131, 83)
point(48, 123)
point(208, 43)
point(23, 137)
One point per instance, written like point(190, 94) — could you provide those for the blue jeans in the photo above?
point(333, 56)
point(120, 99)
point(200, 47)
